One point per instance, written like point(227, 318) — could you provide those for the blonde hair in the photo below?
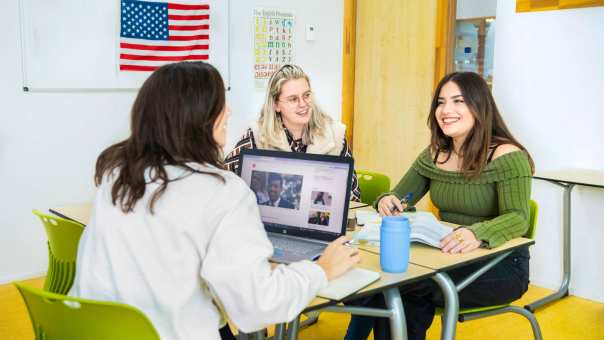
point(270, 124)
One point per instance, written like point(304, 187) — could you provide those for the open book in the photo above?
point(425, 228)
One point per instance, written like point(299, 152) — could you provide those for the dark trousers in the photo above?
point(505, 282)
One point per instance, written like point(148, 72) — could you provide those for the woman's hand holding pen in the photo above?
point(390, 205)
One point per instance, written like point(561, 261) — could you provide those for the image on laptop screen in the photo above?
point(299, 194)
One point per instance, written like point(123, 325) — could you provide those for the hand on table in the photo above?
point(461, 240)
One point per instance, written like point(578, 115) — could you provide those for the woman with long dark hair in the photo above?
point(479, 177)
point(177, 236)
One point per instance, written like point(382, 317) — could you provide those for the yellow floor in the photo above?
point(569, 319)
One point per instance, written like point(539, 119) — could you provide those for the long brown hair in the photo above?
point(489, 128)
point(172, 122)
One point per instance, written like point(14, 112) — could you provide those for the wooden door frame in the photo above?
point(445, 38)
point(348, 67)
point(443, 62)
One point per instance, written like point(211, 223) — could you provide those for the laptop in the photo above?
point(303, 199)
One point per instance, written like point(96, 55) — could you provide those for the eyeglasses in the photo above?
point(295, 100)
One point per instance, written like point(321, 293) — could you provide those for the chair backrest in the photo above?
point(532, 229)
point(63, 238)
point(372, 184)
point(59, 317)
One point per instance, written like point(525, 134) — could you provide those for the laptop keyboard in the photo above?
point(294, 249)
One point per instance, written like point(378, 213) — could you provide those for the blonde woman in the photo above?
point(291, 121)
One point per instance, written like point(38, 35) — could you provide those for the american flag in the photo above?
point(158, 33)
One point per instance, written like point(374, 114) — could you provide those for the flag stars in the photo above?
point(144, 20)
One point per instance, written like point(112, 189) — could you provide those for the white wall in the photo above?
point(549, 83)
point(48, 145)
point(321, 59)
point(49, 141)
point(468, 9)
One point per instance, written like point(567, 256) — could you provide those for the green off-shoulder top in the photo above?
point(495, 206)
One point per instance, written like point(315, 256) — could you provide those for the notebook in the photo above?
point(303, 199)
point(349, 283)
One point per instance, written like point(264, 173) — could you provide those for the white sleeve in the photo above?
point(237, 270)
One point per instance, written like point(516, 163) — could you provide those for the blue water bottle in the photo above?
point(394, 244)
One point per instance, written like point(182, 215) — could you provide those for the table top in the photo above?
point(371, 261)
point(433, 258)
point(588, 177)
point(81, 213)
point(76, 212)
point(420, 254)
point(354, 205)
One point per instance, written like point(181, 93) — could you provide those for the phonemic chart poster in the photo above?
point(273, 42)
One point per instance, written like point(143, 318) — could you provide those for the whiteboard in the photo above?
point(74, 45)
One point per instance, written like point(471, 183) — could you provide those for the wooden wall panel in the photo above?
point(548, 5)
point(394, 78)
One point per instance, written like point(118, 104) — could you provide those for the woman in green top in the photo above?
point(479, 177)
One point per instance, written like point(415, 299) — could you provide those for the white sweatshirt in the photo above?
point(203, 233)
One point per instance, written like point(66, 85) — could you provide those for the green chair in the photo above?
point(466, 314)
point(372, 184)
point(63, 237)
point(59, 317)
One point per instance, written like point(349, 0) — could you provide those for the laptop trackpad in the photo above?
point(286, 250)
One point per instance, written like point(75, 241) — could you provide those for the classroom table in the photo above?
point(79, 212)
point(387, 284)
point(566, 178)
point(424, 261)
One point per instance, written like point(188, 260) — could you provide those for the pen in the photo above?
point(404, 200)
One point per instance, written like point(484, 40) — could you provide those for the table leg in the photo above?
point(566, 257)
point(279, 331)
point(398, 324)
point(451, 309)
point(292, 328)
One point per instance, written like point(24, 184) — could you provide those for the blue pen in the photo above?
point(404, 200)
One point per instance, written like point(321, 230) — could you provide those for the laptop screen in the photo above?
point(298, 193)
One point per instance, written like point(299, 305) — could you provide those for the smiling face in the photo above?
point(294, 103)
point(452, 113)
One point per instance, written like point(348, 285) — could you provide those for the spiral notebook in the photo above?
point(349, 283)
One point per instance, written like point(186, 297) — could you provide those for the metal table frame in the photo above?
point(568, 186)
